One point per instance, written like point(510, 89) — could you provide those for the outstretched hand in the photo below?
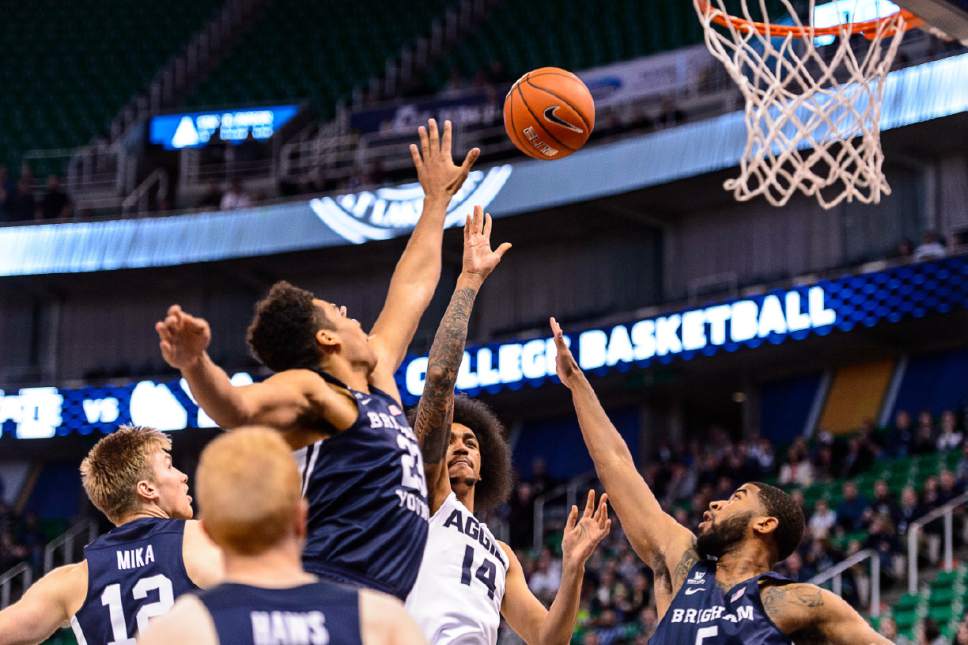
point(565, 364)
point(583, 535)
point(183, 338)
point(439, 176)
point(479, 259)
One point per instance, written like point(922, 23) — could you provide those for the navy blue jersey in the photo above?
point(134, 574)
point(702, 613)
point(319, 613)
point(367, 499)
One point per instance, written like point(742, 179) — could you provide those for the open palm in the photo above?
point(479, 259)
point(583, 535)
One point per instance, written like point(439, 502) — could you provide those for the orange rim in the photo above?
point(867, 27)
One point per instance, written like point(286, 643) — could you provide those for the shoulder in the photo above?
point(202, 557)
point(793, 606)
point(378, 608)
point(509, 552)
point(66, 585)
point(187, 622)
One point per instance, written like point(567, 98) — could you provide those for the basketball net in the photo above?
point(812, 111)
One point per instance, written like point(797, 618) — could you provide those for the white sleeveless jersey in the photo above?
point(460, 586)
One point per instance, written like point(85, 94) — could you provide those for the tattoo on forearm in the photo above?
point(779, 598)
point(432, 427)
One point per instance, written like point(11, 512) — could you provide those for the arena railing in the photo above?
point(835, 575)
point(567, 491)
point(65, 545)
point(945, 511)
point(7, 579)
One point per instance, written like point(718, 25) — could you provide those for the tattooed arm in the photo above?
point(809, 614)
point(666, 547)
point(436, 408)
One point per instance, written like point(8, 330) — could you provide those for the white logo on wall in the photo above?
point(389, 212)
point(36, 411)
point(154, 405)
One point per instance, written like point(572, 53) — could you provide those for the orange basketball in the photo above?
point(549, 113)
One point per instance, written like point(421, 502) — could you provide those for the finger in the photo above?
point(434, 135)
point(608, 527)
point(572, 517)
point(469, 160)
point(162, 331)
point(172, 310)
point(165, 348)
point(447, 141)
point(488, 225)
point(589, 504)
point(501, 250)
point(557, 333)
point(467, 228)
point(415, 156)
point(602, 513)
point(424, 142)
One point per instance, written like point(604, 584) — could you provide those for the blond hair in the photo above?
point(248, 490)
point(112, 469)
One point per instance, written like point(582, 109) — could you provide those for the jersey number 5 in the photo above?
point(486, 573)
point(111, 598)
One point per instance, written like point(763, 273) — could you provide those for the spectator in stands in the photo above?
point(931, 247)
point(909, 509)
point(888, 628)
point(521, 515)
point(235, 197)
point(961, 636)
point(762, 453)
point(212, 197)
point(797, 469)
point(948, 487)
point(823, 520)
point(55, 204)
point(681, 483)
point(32, 538)
point(541, 481)
point(924, 441)
point(20, 203)
point(904, 250)
point(882, 538)
point(860, 456)
point(962, 472)
point(853, 511)
point(900, 435)
point(546, 579)
point(884, 502)
point(950, 438)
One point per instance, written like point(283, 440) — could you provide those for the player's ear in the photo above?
point(327, 339)
point(765, 524)
point(146, 490)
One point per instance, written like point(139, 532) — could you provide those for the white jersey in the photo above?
point(460, 585)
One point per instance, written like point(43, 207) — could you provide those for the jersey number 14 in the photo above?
point(486, 573)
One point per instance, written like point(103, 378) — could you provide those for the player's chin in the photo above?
point(461, 472)
point(704, 527)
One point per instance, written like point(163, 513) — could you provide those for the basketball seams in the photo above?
point(537, 122)
point(515, 138)
point(563, 100)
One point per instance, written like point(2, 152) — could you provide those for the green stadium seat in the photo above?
point(77, 63)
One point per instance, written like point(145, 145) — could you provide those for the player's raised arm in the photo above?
point(658, 539)
point(45, 606)
point(525, 613)
point(799, 609)
point(418, 270)
point(278, 401)
point(436, 408)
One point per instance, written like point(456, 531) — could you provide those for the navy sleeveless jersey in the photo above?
point(702, 613)
point(367, 499)
point(134, 574)
point(319, 613)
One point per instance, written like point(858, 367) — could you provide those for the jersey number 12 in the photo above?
point(111, 598)
point(486, 573)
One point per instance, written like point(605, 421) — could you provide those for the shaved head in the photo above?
point(248, 490)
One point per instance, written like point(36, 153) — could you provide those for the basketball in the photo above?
point(549, 113)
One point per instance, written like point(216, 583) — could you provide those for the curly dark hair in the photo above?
point(789, 515)
point(282, 333)
point(494, 487)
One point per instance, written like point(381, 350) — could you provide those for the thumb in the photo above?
point(572, 518)
point(501, 250)
point(469, 160)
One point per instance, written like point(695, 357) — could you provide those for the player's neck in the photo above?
point(741, 563)
point(149, 511)
point(464, 493)
point(278, 567)
point(354, 376)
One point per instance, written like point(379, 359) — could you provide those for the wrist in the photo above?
point(572, 567)
point(436, 200)
point(470, 280)
point(194, 366)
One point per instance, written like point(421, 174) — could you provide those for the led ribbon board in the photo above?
point(195, 129)
point(866, 300)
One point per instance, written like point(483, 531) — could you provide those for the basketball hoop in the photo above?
point(812, 108)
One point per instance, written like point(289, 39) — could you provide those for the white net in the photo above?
point(813, 103)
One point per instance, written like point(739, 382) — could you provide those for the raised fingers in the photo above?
point(415, 156)
point(434, 135)
point(424, 142)
point(488, 224)
point(447, 140)
point(572, 517)
point(589, 503)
